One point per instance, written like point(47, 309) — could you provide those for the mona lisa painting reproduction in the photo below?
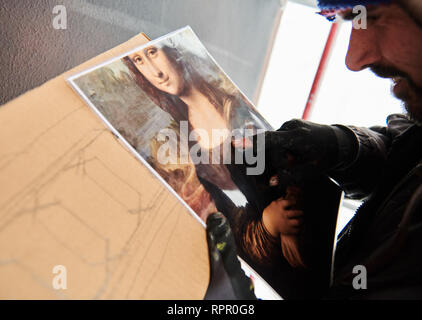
point(177, 111)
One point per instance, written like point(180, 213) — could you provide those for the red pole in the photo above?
point(320, 72)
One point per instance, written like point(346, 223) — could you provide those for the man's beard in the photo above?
point(407, 91)
point(412, 101)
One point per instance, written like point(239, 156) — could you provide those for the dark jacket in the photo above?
point(385, 235)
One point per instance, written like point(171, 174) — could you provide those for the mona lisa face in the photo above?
point(155, 66)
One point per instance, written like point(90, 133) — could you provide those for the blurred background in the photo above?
point(238, 33)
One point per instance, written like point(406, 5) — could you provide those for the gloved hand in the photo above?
point(302, 142)
point(301, 150)
point(228, 280)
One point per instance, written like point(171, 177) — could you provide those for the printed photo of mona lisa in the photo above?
point(170, 99)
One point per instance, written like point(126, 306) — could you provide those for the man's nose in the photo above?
point(363, 50)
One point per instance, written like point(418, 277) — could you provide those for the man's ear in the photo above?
point(413, 8)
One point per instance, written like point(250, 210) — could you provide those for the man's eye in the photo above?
point(349, 17)
point(138, 60)
point(372, 17)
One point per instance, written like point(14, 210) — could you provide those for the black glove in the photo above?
point(302, 150)
point(228, 281)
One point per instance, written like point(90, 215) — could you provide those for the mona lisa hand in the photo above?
point(280, 217)
point(283, 221)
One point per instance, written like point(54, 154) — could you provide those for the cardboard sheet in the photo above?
point(72, 195)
